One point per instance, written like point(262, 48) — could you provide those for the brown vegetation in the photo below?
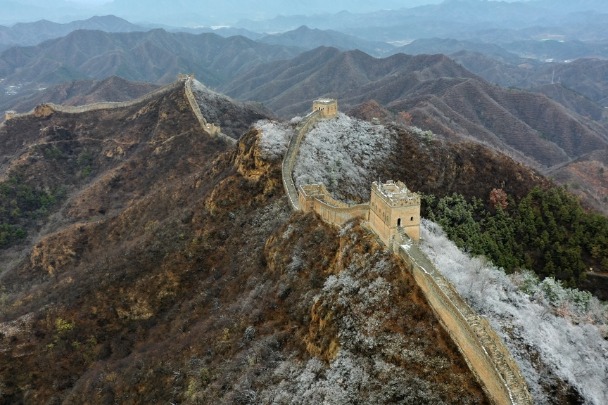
point(174, 272)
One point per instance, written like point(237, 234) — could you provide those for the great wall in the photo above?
point(484, 351)
point(186, 81)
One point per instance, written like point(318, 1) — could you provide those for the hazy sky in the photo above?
point(202, 11)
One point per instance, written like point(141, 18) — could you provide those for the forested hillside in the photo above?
point(546, 231)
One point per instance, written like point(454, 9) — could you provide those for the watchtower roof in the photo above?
point(325, 100)
point(395, 194)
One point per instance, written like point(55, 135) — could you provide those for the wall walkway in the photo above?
point(315, 197)
point(289, 160)
point(108, 105)
point(212, 129)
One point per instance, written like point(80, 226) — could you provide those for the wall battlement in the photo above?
point(395, 194)
point(392, 207)
point(316, 198)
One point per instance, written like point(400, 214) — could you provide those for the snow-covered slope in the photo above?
point(551, 331)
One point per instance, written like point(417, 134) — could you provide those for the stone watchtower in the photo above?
point(328, 107)
point(9, 115)
point(392, 205)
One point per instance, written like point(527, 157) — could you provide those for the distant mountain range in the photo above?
point(488, 21)
point(185, 12)
point(559, 119)
point(307, 38)
point(155, 56)
point(589, 77)
point(25, 34)
point(433, 89)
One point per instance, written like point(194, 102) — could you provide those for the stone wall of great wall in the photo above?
point(316, 198)
point(184, 80)
point(484, 351)
point(103, 105)
point(289, 160)
point(212, 129)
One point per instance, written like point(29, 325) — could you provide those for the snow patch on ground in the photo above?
point(344, 153)
point(275, 138)
point(567, 328)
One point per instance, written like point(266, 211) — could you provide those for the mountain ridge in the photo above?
point(307, 38)
point(148, 275)
point(155, 56)
point(29, 34)
point(426, 85)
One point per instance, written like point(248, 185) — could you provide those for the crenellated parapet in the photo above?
point(393, 208)
point(395, 194)
point(316, 198)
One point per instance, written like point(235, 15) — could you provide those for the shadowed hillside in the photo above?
point(586, 76)
point(154, 56)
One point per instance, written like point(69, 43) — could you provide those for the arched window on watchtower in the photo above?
point(399, 222)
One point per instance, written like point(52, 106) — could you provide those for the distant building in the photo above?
point(9, 114)
point(328, 107)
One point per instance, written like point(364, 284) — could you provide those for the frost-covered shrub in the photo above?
point(365, 306)
point(564, 327)
point(345, 154)
point(426, 135)
point(208, 100)
point(348, 379)
point(275, 138)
